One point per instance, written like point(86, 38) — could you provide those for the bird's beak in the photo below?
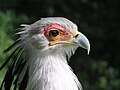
point(82, 41)
point(76, 39)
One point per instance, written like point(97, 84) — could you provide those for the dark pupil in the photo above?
point(53, 33)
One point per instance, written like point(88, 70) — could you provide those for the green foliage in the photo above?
point(107, 77)
point(6, 28)
point(98, 75)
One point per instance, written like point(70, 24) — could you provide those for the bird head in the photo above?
point(39, 54)
point(54, 35)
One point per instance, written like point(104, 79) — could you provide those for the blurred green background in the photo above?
point(99, 20)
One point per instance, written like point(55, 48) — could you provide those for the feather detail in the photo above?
point(8, 59)
point(15, 44)
point(51, 73)
point(9, 74)
point(15, 68)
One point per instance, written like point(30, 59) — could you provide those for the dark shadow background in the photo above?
point(99, 20)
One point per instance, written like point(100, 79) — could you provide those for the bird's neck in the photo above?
point(51, 72)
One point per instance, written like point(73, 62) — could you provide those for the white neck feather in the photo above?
point(51, 73)
point(49, 70)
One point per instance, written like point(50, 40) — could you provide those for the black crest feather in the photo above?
point(16, 64)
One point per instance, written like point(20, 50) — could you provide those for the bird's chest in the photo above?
point(51, 76)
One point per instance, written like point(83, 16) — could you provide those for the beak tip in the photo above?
point(84, 43)
point(88, 48)
point(88, 51)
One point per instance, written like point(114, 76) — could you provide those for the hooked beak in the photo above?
point(83, 42)
point(79, 40)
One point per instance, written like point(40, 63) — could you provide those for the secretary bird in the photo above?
point(39, 57)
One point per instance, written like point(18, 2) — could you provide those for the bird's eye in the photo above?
point(54, 33)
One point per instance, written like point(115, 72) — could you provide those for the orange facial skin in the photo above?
point(63, 36)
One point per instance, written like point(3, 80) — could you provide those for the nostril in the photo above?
point(76, 35)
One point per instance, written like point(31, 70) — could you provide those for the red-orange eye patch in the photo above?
point(57, 33)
